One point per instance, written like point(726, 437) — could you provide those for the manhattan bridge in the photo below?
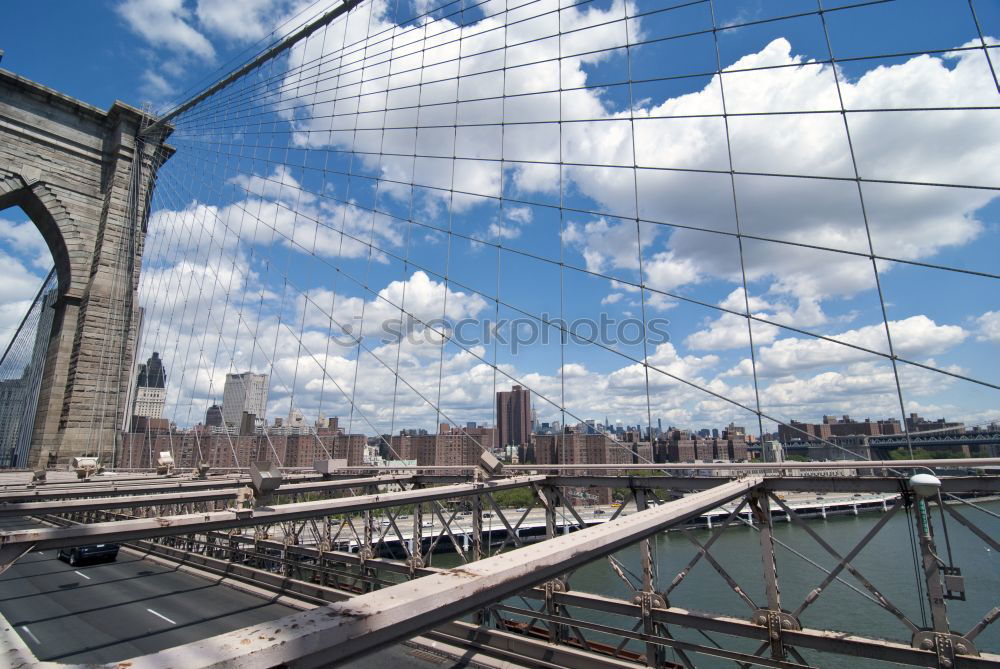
point(404, 225)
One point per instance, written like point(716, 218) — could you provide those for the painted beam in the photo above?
point(15, 542)
point(340, 632)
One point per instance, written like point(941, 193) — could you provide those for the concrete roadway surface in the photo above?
point(110, 611)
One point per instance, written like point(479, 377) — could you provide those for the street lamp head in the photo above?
point(925, 485)
point(85, 466)
point(265, 478)
point(489, 464)
point(165, 463)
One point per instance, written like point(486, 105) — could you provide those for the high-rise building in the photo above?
point(244, 393)
point(514, 416)
point(150, 388)
point(213, 417)
point(153, 374)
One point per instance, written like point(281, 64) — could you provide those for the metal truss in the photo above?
point(360, 563)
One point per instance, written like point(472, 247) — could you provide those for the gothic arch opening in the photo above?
point(27, 201)
point(27, 297)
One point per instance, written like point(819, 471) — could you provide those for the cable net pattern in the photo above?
point(660, 213)
point(21, 367)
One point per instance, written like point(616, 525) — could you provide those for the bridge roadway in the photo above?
point(112, 611)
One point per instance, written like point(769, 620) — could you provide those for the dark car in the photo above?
point(94, 553)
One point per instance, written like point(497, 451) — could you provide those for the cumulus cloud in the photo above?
point(916, 336)
point(28, 242)
point(19, 287)
point(276, 209)
point(155, 86)
point(244, 21)
point(21, 281)
point(685, 133)
point(391, 96)
point(988, 327)
point(166, 23)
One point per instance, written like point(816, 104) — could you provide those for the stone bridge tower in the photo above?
point(83, 176)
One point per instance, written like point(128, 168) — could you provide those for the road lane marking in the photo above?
point(31, 634)
point(160, 615)
point(81, 574)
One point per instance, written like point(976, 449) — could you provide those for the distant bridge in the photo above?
point(937, 441)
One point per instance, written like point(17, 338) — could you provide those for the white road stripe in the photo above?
point(160, 615)
point(31, 634)
point(81, 574)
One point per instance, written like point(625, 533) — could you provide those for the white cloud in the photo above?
point(276, 209)
point(25, 238)
point(244, 21)
point(509, 226)
point(166, 23)
point(911, 222)
point(988, 327)
point(363, 98)
point(729, 330)
point(156, 86)
point(613, 298)
point(916, 336)
point(17, 290)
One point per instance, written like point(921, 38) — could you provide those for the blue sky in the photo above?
point(287, 172)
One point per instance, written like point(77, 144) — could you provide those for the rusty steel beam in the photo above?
point(13, 543)
point(805, 483)
point(107, 503)
point(339, 632)
point(819, 640)
point(229, 492)
point(777, 467)
point(840, 643)
point(290, 486)
point(111, 488)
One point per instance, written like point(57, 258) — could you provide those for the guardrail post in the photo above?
point(648, 598)
point(773, 617)
point(477, 527)
point(416, 560)
point(939, 638)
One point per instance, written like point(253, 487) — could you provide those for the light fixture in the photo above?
point(489, 463)
point(85, 466)
point(925, 485)
point(164, 463)
point(266, 477)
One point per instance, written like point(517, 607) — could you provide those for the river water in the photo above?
point(886, 561)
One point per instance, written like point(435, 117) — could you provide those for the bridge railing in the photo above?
point(523, 566)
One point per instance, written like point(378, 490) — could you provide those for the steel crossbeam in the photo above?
point(78, 504)
point(108, 503)
point(301, 484)
point(397, 611)
point(16, 542)
point(349, 629)
point(310, 483)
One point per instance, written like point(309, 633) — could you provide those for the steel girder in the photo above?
point(349, 629)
